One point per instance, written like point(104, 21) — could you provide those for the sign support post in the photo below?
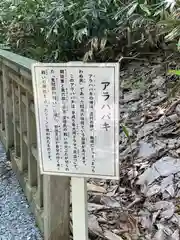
point(79, 208)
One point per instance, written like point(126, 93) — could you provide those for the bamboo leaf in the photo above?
point(175, 72)
point(125, 130)
point(132, 9)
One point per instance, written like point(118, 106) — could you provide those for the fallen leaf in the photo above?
point(167, 209)
point(134, 95)
point(111, 236)
point(96, 207)
point(166, 182)
point(178, 110)
point(93, 226)
point(163, 167)
point(153, 190)
point(146, 150)
point(94, 188)
point(110, 202)
point(160, 235)
point(175, 235)
point(159, 81)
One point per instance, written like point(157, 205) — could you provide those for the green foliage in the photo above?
point(93, 30)
point(170, 25)
point(175, 72)
point(125, 130)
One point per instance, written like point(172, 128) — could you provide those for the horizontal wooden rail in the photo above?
point(48, 196)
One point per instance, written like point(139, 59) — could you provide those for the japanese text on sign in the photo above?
point(77, 118)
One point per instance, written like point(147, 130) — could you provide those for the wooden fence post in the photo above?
point(56, 207)
point(7, 110)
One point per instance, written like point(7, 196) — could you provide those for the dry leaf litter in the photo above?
point(145, 203)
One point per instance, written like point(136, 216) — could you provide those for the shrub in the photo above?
point(93, 30)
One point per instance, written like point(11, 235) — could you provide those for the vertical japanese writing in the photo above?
point(106, 108)
point(73, 119)
point(53, 88)
point(64, 99)
point(44, 74)
point(82, 116)
point(91, 100)
point(58, 146)
point(57, 126)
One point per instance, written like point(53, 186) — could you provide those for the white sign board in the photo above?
point(77, 116)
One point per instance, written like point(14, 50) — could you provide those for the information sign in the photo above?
point(77, 116)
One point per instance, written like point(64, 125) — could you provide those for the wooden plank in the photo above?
point(31, 139)
point(23, 129)
point(56, 207)
point(15, 121)
point(7, 109)
point(39, 197)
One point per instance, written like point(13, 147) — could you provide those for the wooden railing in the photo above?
point(48, 196)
